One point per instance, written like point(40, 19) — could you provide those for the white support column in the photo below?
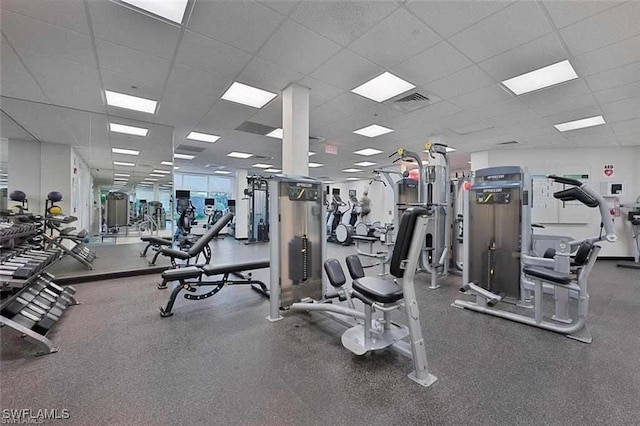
point(242, 205)
point(295, 125)
point(156, 191)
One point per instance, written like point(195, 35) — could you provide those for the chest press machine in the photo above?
point(297, 284)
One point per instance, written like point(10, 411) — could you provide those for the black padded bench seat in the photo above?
point(548, 275)
point(364, 238)
point(236, 267)
point(176, 254)
point(191, 272)
point(378, 290)
point(156, 240)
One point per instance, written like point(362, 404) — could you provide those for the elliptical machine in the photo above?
point(335, 217)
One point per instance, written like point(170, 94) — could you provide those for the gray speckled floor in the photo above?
point(218, 361)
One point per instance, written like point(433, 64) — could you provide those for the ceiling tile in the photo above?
point(179, 108)
point(226, 116)
point(461, 82)
point(32, 34)
point(124, 26)
point(127, 61)
point(630, 140)
point(450, 17)
point(192, 81)
point(568, 104)
point(16, 82)
point(205, 54)
point(432, 64)
point(566, 13)
point(65, 82)
point(481, 97)
point(9, 129)
point(360, 70)
point(267, 75)
point(508, 28)
point(323, 115)
point(69, 14)
point(242, 24)
point(609, 57)
point(349, 104)
point(271, 115)
point(592, 136)
point(626, 109)
point(131, 85)
point(626, 128)
point(618, 93)
point(342, 22)
point(396, 39)
point(554, 94)
point(283, 7)
point(321, 92)
point(536, 54)
point(296, 48)
point(605, 28)
point(615, 77)
point(435, 112)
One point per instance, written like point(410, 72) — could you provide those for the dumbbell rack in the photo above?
point(39, 303)
point(33, 311)
point(79, 251)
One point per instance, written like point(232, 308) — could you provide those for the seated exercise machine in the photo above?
point(633, 217)
point(199, 248)
point(190, 279)
point(297, 252)
point(500, 264)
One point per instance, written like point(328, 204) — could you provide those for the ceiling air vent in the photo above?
point(413, 101)
point(188, 148)
point(508, 143)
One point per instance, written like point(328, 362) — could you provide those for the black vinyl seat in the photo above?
point(156, 240)
point(547, 274)
point(378, 290)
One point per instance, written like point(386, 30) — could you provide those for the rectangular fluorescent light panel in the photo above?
point(122, 174)
point(580, 124)
point(273, 170)
point(184, 156)
point(125, 151)
point(122, 163)
point(172, 10)
point(314, 165)
point(156, 175)
point(120, 179)
point(262, 166)
point(365, 164)
point(353, 178)
point(248, 95)
point(373, 131)
point(151, 179)
point(222, 172)
point(352, 170)
point(277, 133)
point(203, 137)
point(368, 151)
point(541, 78)
point(167, 163)
point(176, 168)
point(130, 102)
point(242, 155)
point(311, 153)
point(164, 172)
point(383, 87)
point(128, 130)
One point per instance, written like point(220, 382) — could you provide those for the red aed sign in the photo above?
point(608, 170)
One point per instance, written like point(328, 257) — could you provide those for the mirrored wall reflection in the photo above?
point(107, 176)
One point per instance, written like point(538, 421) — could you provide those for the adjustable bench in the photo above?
point(190, 278)
point(200, 247)
point(156, 243)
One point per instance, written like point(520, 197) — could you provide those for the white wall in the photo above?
point(81, 196)
point(24, 172)
point(55, 173)
point(242, 205)
point(382, 202)
point(626, 162)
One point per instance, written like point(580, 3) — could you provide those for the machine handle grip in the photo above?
point(565, 180)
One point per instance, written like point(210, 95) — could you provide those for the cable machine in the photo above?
point(258, 194)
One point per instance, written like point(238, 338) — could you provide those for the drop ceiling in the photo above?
point(61, 55)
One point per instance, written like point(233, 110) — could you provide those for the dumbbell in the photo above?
point(17, 270)
point(30, 316)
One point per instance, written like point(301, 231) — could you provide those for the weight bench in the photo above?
point(190, 278)
point(156, 243)
point(200, 247)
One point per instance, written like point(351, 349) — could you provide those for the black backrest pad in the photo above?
point(403, 239)
point(355, 267)
point(576, 193)
point(334, 272)
point(210, 234)
point(583, 252)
